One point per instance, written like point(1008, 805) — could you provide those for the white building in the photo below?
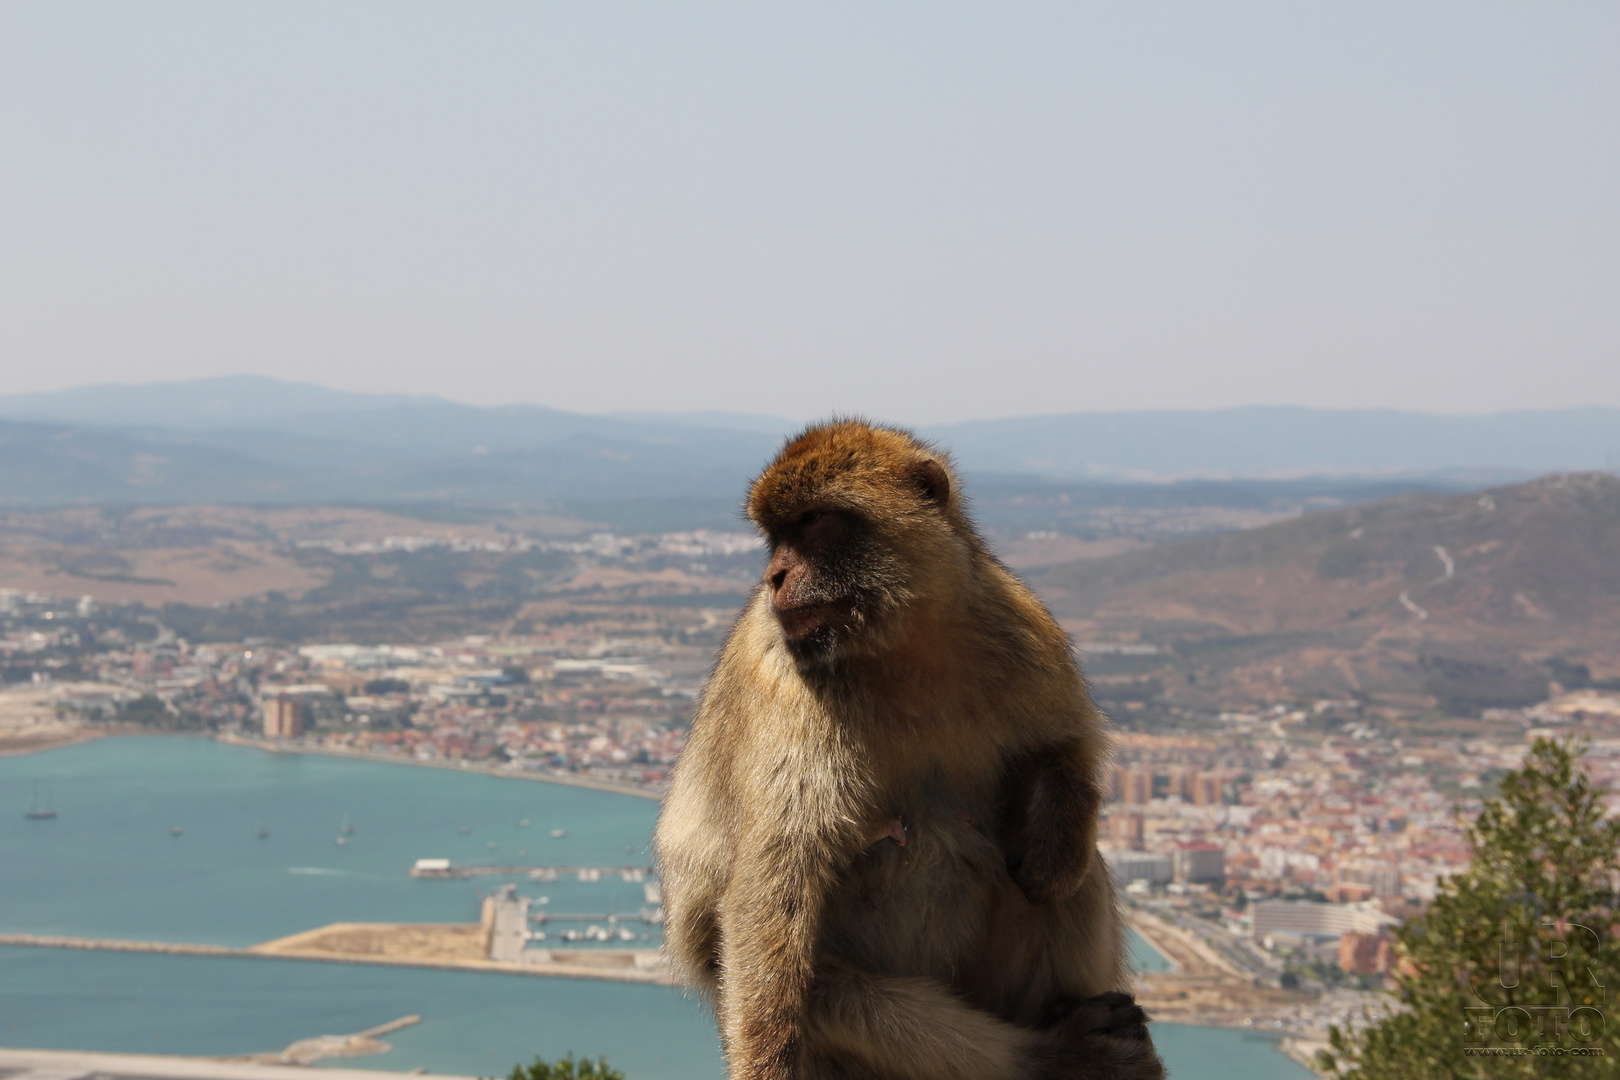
point(1128, 866)
point(1307, 918)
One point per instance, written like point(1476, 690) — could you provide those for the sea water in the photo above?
point(112, 866)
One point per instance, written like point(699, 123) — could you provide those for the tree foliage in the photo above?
point(151, 711)
point(1510, 971)
point(566, 1069)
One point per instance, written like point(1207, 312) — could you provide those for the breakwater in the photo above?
point(321, 1047)
point(175, 948)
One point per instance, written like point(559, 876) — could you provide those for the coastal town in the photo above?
point(1266, 851)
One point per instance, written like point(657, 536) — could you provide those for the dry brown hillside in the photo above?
point(1424, 601)
point(202, 555)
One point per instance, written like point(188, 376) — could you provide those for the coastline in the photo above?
point(1303, 1050)
point(1204, 990)
point(22, 747)
point(74, 736)
point(566, 779)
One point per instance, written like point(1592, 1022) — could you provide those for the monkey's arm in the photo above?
point(769, 920)
point(691, 927)
point(1050, 828)
point(694, 851)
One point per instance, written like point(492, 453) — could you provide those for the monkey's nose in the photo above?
point(776, 579)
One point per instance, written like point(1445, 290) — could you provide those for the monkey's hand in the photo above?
point(1051, 834)
point(1100, 1038)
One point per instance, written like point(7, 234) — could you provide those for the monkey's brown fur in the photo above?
point(877, 849)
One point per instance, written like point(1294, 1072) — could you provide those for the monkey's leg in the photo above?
point(911, 1029)
point(917, 1029)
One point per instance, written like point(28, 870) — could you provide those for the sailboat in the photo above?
point(38, 812)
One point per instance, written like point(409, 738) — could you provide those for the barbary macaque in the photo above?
point(879, 846)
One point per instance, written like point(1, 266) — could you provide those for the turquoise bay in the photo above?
point(110, 866)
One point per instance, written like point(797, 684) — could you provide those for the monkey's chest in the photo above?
point(915, 901)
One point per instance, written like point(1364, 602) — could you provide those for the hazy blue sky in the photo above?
point(923, 211)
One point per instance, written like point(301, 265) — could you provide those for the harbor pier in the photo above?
point(443, 868)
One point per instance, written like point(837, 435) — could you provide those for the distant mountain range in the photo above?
point(1282, 441)
point(258, 440)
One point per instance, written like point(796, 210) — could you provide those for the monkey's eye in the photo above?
point(808, 518)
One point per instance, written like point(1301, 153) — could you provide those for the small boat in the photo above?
point(464, 830)
point(263, 833)
point(176, 831)
point(558, 834)
point(348, 830)
point(38, 812)
point(340, 841)
point(491, 845)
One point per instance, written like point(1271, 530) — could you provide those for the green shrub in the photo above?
point(1509, 974)
point(566, 1069)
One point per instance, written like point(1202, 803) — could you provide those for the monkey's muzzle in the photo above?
point(802, 621)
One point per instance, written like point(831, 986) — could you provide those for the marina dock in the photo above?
point(442, 868)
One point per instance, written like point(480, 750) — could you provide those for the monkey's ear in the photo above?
point(931, 481)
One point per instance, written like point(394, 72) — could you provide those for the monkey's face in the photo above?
point(860, 525)
point(828, 579)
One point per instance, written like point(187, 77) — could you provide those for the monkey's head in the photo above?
point(864, 525)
